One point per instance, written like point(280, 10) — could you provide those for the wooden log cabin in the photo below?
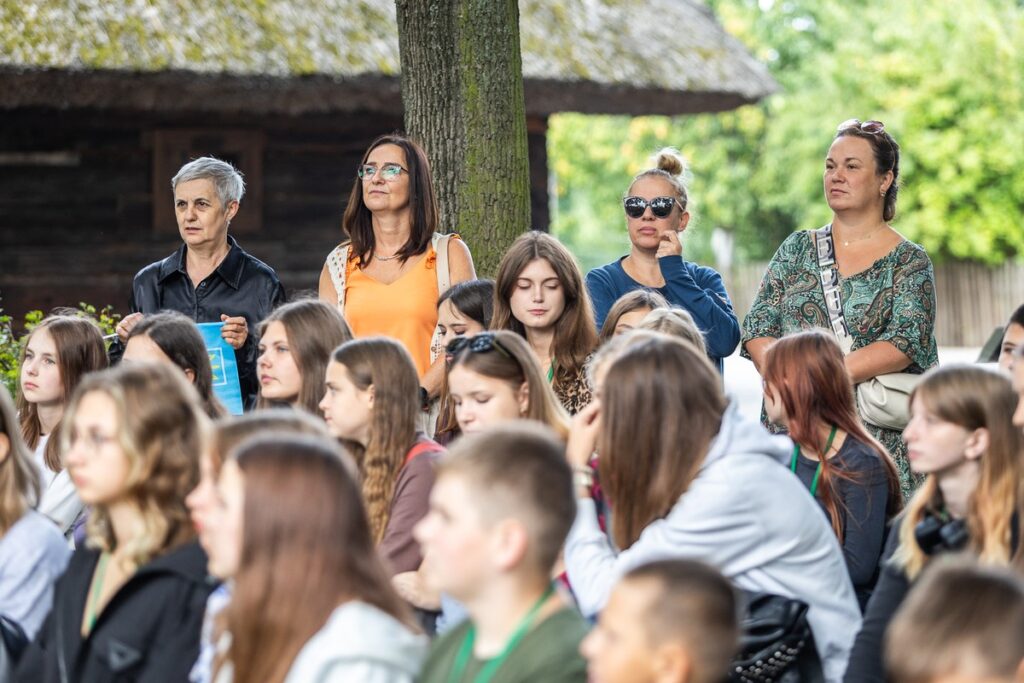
point(100, 104)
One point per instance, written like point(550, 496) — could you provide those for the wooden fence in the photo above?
point(973, 299)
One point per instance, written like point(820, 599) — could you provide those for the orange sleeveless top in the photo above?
point(405, 310)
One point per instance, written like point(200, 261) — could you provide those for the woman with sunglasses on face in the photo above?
point(387, 275)
point(886, 293)
point(656, 216)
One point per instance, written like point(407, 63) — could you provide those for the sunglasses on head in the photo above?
point(870, 127)
point(660, 206)
point(479, 343)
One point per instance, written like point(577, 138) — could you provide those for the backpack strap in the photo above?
point(337, 265)
point(828, 274)
point(421, 447)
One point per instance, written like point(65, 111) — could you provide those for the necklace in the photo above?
point(871, 234)
point(385, 258)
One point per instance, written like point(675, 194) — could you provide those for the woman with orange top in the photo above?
point(386, 277)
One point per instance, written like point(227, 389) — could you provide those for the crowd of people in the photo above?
point(442, 478)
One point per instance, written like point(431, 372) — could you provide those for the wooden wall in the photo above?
point(77, 190)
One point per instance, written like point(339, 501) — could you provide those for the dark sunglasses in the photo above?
point(660, 206)
point(478, 343)
point(869, 127)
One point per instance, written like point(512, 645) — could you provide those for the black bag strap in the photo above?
point(828, 275)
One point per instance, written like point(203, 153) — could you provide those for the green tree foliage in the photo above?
point(946, 78)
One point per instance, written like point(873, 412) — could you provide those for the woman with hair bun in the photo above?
point(656, 216)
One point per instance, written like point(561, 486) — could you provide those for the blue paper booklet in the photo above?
point(224, 366)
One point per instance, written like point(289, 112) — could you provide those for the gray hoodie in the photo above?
point(360, 643)
point(748, 515)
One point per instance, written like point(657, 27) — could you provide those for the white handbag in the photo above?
point(884, 400)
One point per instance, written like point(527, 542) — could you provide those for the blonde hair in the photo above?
point(19, 479)
point(675, 322)
point(669, 164)
point(161, 429)
point(972, 397)
point(385, 365)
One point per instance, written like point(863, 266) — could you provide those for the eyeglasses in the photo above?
point(387, 171)
point(869, 127)
point(660, 206)
point(479, 343)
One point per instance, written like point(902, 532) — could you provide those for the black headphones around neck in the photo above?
point(937, 533)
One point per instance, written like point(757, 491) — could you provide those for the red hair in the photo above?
point(808, 375)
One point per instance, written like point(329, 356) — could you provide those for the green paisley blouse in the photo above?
point(893, 300)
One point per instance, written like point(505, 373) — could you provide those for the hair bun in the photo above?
point(670, 160)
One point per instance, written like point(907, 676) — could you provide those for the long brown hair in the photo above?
point(807, 372)
point(314, 329)
point(385, 365)
point(306, 548)
point(973, 397)
point(80, 350)
point(643, 411)
point(162, 429)
point(358, 220)
point(575, 333)
point(515, 368)
point(19, 479)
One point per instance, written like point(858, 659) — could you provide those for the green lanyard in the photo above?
point(824, 454)
point(487, 673)
point(93, 601)
point(551, 372)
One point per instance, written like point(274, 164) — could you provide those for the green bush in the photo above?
point(11, 341)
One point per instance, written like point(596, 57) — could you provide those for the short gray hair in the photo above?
point(225, 177)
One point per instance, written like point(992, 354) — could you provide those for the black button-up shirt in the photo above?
point(240, 285)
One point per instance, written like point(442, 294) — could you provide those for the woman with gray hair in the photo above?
point(210, 278)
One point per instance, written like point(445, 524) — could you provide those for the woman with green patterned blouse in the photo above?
point(887, 282)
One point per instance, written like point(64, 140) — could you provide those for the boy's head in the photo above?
point(961, 623)
point(673, 621)
point(501, 507)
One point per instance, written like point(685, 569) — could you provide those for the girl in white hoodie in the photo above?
point(57, 354)
point(311, 601)
point(686, 476)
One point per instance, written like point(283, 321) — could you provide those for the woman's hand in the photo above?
point(583, 435)
point(670, 244)
point(235, 330)
point(414, 590)
point(124, 327)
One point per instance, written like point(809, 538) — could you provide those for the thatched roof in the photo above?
point(607, 56)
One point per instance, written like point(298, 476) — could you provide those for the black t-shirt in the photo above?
point(863, 509)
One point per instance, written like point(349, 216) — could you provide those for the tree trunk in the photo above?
point(462, 89)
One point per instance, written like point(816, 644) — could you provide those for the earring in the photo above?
point(881, 192)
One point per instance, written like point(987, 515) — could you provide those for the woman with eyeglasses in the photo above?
point(656, 217)
point(883, 294)
point(386, 276)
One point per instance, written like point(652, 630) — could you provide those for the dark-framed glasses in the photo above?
point(869, 127)
point(484, 342)
point(387, 171)
point(660, 206)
